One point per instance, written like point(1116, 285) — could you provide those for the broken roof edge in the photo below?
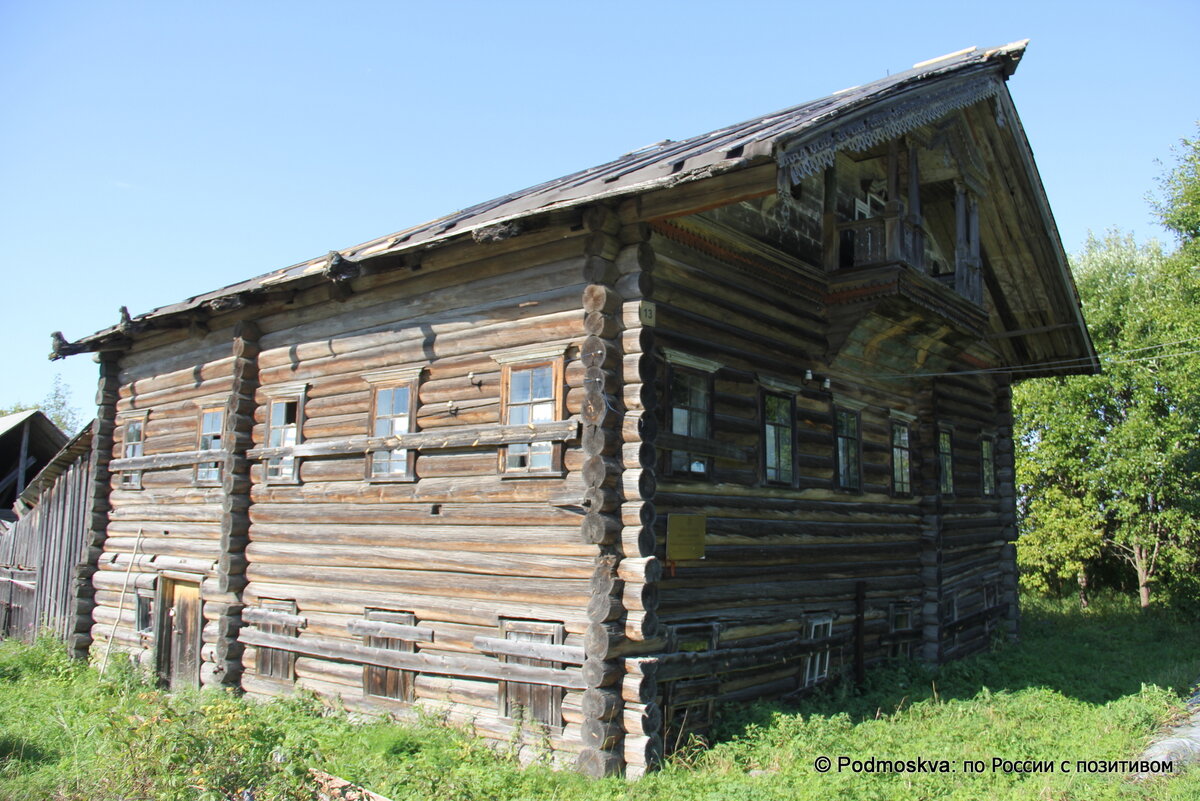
point(754, 147)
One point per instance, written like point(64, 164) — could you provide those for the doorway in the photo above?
point(179, 628)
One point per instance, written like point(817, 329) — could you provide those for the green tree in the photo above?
point(56, 405)
point(1112, 462)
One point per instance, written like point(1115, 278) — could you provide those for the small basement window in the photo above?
point(143, 613)
point(389, 682)
point(539, 703)
point(277, 663)
point(816, 667)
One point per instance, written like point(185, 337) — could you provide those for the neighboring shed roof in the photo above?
point(43, 443)
point(661, 165)
point(77, 446)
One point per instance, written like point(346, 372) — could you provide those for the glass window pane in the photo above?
point(698, 423)
point(543, 383)
point(679, 421)
point(400, 400)
point(518, 386)
point(518, 415)
point(543, 412)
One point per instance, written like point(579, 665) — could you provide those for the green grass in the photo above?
point(1080, 686)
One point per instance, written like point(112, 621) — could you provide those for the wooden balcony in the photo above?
point(890, 239)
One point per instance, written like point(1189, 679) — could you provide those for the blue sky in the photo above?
point(151, 151)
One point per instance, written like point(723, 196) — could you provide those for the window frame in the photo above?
point(132, 479)
point(557, 401)
point(816, 663)
point(374, 675)
point(198, 479)
point(268, 660)
point(945, 460)
point(987, 465)
point(838, 472)
point(144, 608)
point(283, 393)
point(765, 393)
point(409, 379)
point(900, 424)
point(709, 386)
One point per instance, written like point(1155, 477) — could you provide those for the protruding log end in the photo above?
point(597, 764)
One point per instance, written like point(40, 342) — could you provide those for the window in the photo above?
point(779, 415)
point(276, 663)
point(901, 460)
point(849, 443)
point(143, 613)
point(945, 461)
point(388, 682)
point(900, 621)
point(540, 703)
point(211, 421)
point(531, 396)
point(690, 405)
point(987, 465)
point(285, 429)
point(392, 416)
point(991, 595)
point(816, 668)
point(133, 445)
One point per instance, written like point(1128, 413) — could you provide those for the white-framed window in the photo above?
point(285, 429)
point(133, 444)
point(531, 396)
point(816, 667)
point(212, 420)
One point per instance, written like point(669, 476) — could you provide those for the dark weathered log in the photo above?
point(600, 441)
point(598, 352)
point(601, 704)
point(398, 631)
point(601, 734)
point(600, 409)
point(531, 650)
point(456, 437)
point(600, 529)
point(601, 673)
point(645, 751)
point(444, 665)
point(599, 471)
point(601, 325)
point(600, 499)
point(596, 764)
point(603, 608)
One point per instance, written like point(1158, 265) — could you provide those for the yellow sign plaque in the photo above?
point(685, 537)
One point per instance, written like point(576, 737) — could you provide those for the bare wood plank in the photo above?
point(531, 650)
point(399, 631)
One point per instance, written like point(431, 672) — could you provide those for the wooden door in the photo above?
point(179, 635)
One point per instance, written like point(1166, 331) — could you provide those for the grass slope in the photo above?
point(1080, 686)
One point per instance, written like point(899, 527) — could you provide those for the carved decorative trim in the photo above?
point(397, 374)
point(881, 122)
point(532, 353)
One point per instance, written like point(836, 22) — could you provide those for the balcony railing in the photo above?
point(883, 240)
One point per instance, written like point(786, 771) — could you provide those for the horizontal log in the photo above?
point(160, 461)
point(451, 437)
point(425, 663)
point(570, 654)
point(397, 631)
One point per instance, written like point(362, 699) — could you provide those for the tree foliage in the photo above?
point(56, 405)
point(1110, 466)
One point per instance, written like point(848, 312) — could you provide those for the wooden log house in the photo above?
point(722, 419)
